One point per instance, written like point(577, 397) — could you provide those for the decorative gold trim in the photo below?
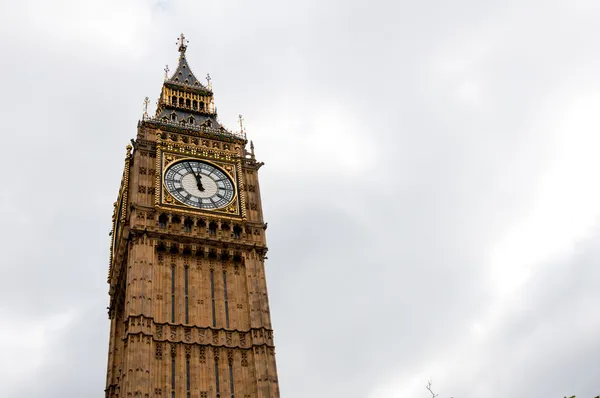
point(212, 214)
point(126, 183)
point(158, 168)
point(242, 193)
point(229, 168)
point(119, 213)
point(172, 162)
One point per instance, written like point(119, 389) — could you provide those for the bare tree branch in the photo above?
point(428, 387)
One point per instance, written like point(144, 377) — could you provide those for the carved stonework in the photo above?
point(187, 281)
point(158, 351)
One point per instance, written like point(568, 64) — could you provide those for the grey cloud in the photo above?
point(375, 273)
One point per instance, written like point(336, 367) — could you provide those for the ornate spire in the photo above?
point(183, 74)
point(185, 102)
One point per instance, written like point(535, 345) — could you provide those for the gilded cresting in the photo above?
point(188, 307)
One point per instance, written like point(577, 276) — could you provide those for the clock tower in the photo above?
point(189, 309)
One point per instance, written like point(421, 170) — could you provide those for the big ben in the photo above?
point(189, 309)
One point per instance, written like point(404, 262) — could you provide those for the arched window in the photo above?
point(212, 228)
point(187, 103)
point(201, 223)
point(162, 221)
point(187, 225)
point(173, 116)
point(176, 220)
point(201, 105)
point(209, 123)
point(237, 232)
point(173, 100)
point(195, 105)
point(180, 101)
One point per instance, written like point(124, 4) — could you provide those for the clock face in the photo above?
point(199, 184)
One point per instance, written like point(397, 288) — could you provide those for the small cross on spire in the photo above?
point(208, 79)
point(182, 42)
point(166, 72)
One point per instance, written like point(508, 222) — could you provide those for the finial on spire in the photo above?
point(166, 72)
point(146, 102)
point(252, 149)
point(182, 42)
point(208, 79)
point(241, 119)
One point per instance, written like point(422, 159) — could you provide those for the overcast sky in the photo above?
point(431, 185)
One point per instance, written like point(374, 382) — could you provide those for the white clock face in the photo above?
point(199, 184)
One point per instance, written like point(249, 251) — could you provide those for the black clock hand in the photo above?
point(199, 181)
point(196, 176)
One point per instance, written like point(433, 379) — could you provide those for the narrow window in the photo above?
point(201, 105)
point(188, 103)
point(187, 374)
point(173, 100)
point(187, 319)
point(231, 379)
point(187, 225)
point(217, 375)
point(162, 221)
point(212, 228)
point(192, 120)
point(226, 302)
point(173, 376)
point(173, 116)
point(180, 101)
point(195, 105)
point(173, 293)
point(237, 232)
point(212, 293)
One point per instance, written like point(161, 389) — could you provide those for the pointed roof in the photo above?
point(183, 75)
point(186, 105)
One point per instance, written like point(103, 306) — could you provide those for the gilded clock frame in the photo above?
point(231, 177)
point(235, 209)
